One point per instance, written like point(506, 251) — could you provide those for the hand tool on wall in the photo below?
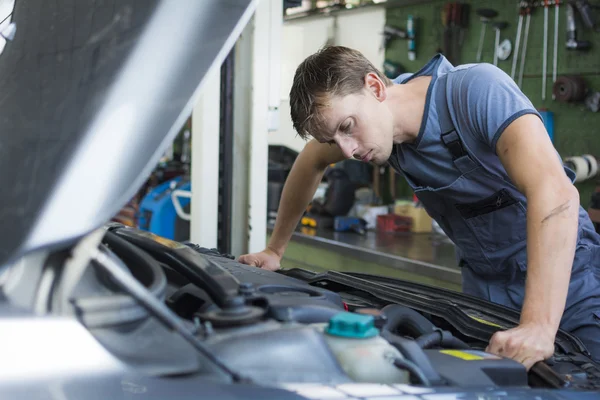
point(592, 102)
point(390, 33)
point(527, 10)
point(585, 9)
point(570, 88)
point(498, 26)
point(452, 22)
point(572, 42)
point(485, 16)
point(545, 53)
point(412, 47)
point(555, 55)
point(517, 41)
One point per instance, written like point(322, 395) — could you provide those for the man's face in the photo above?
point(361, 125)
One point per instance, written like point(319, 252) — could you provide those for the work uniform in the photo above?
point(455, 172)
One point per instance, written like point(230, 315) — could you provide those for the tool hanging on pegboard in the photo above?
point(513, 69)
point(455, 17)
point(527, 9)
point(584, 9)
point(570, 89)
point(486, 15)
point(592, 102)
point(585, 166)
point(412, 45)
point(390, 33)
point(555, 53)
point(501, 51)
point(545, 51)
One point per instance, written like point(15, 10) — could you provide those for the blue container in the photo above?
point(157, 213)
point(548, 117)
point(345, 224)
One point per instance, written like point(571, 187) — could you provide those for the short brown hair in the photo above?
point(332, 71)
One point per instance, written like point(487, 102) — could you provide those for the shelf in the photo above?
point(329, 11)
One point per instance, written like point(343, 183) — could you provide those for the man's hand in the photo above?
point(266, 259)
point(527, 344)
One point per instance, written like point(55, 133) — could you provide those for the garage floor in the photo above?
point(424, 258)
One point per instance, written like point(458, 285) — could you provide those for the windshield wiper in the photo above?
point(115, 268)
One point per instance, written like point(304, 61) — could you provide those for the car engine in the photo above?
point(273, 328)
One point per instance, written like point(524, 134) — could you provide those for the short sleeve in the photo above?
point(490, 100)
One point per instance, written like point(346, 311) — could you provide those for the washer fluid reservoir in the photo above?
point(361, 352)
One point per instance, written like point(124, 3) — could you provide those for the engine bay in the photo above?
point(298, 326)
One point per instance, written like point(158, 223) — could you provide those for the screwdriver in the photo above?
point(555, 56)
point(527, 10)
point(545, 59)
point(517, 41)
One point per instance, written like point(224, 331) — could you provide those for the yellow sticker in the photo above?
point(159, 239)
point(462, 355)
point(483, 321)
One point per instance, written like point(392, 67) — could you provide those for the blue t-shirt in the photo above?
point(483, 100)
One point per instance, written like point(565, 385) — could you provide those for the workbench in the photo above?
point(418, 257)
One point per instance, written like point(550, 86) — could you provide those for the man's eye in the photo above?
point(346, 127)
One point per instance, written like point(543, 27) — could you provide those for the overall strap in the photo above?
point(451, 138)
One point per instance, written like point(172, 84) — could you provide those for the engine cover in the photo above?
point(471, 368)
point(289, 298)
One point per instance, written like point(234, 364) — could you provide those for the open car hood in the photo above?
point(91, 94)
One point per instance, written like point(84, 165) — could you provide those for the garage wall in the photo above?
point(359, 29)
point(576, 129)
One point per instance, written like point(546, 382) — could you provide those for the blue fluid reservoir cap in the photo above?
point(350, 325)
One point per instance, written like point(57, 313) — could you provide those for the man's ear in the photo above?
point(375, 86)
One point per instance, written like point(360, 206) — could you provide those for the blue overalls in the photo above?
point(456, 174)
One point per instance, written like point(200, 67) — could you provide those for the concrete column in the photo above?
point(265, 65)
point(205, 161)
point(257, 82)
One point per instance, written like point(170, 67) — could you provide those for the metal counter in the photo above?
point(420, 257)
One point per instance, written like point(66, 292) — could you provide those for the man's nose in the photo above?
point(347, 146)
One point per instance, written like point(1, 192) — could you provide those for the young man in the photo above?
point(476, 153)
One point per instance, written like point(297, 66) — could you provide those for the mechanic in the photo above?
point(477, 154)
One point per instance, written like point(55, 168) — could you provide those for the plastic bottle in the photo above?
point(361, 352)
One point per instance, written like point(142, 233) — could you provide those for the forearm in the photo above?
point(552, 219)
point(298, 191)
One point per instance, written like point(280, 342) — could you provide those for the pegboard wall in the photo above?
point(576, 128)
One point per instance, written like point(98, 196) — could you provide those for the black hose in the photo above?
point(442, 339)
point(413, 369)
point(404, 320)
point(143, 267)
point(115, 267)
point(413, 353)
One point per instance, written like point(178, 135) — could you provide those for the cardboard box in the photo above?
point(422, 222)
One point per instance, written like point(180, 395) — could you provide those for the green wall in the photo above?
point(576, 128)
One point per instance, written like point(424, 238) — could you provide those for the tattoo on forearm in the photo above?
point(558, 210)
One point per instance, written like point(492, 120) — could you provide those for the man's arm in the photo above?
point(298, 191)
point(552, 219)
